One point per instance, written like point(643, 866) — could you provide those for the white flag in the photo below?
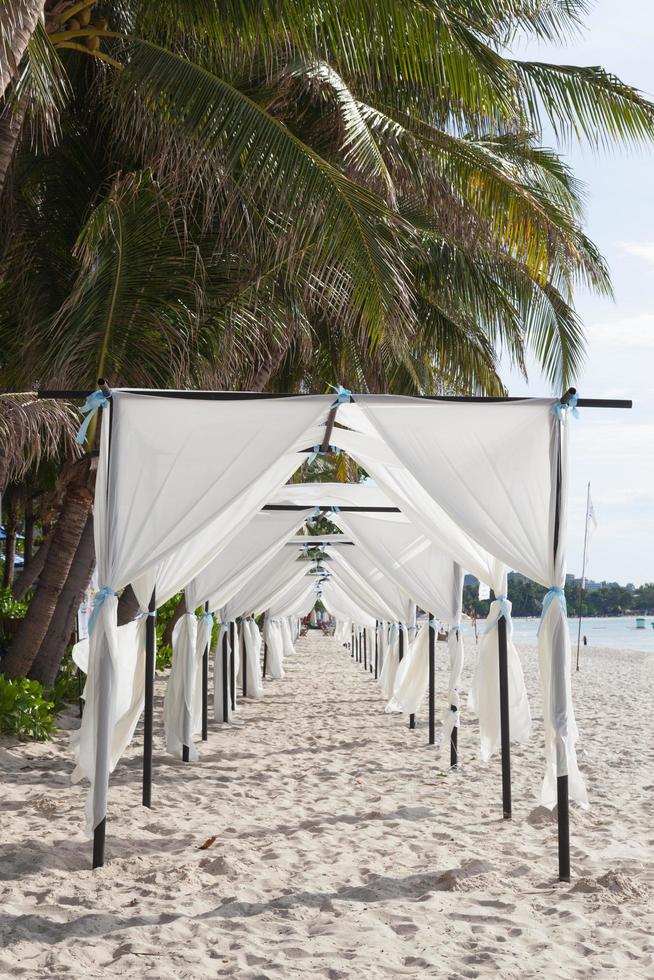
point(592, 519)
point(591, 524)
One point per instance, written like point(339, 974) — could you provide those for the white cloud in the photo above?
point(642, 250)
point(627, 331)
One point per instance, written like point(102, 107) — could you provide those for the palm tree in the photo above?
point(283, 193)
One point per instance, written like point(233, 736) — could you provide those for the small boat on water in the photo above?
point(640, 622)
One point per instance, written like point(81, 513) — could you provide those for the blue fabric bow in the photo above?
point(343, 394)
point(93, 402)
point(570, 406)
point(554, 593)
point(99, 600)
point(208, 618)
point(502, 610)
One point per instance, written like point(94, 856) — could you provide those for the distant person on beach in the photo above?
point(585, 640)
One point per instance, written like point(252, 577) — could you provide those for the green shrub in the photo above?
point(24, 709)
point(164, 656)
point(11, 608)
point(66, 686)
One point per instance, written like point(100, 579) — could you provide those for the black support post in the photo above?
point(504, 717)
point(244, 663)
point(98, 843)
point(205, 685)
point(232, 672)
point(376, 649)
point(148, 712)
point(454, 745)
point(563, 819)
point(225, 678)
point(365, 649)
point(432, 680)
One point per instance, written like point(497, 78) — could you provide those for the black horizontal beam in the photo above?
point(73, 394)
point(345, 510)
point(318, 544)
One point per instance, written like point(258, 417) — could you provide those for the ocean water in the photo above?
point(613, 631)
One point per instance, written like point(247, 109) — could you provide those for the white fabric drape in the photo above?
point(180, 692)
point(218, 706)
point(281, 574)
point(274, 640)
point(252, 658)
point(342, 606)
point(412, 676)
point(391, 662)
point(157, 489)
point(484, 697)
point(502, 477)
point(368, 573)
point(236, 565)
point(129, 693)
point(407, 556)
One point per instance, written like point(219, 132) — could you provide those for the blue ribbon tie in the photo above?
point(554, 593)
point(559, 408)
point(99, 600)
point(343, 394)
point(93, 402)
point(503, 610)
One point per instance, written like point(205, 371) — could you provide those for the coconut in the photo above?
point(92, 42)
point(84, 16)
point(101, 23)
point(73, 24)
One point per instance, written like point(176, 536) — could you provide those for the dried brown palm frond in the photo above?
point(32, 431)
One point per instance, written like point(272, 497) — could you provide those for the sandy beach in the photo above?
point(343, 846)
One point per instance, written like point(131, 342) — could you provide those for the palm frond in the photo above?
point(32, 431)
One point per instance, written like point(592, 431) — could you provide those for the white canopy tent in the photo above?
point(485, 481)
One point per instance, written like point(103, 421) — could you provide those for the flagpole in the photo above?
point(582, 583)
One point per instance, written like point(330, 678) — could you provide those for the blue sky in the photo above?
point(614, 449)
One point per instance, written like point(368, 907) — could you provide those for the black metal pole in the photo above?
point(352, 641)
point(265, 657)
point(376, 648)
point(79, 692)
point(148, 713)
point(232, 678)
point(401, 643)
point(563, 812)
point(432, 680)
point(365, 649)
point(454, 745)
point(98, 843)
point(244, 661)
point(224, 678)
point(205, 685)
point(504, 717)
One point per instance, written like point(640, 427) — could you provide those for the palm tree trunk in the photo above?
point(65, 541)
point(180, 609)
point(18, 20)
point(128, 606)
point(11, 530)
point(28, 543)
point(11, 124)
point(48, 659)
point(31, 572)
point(10, 557)
point(268, 368)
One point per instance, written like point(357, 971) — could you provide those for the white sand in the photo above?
point(342, 849)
